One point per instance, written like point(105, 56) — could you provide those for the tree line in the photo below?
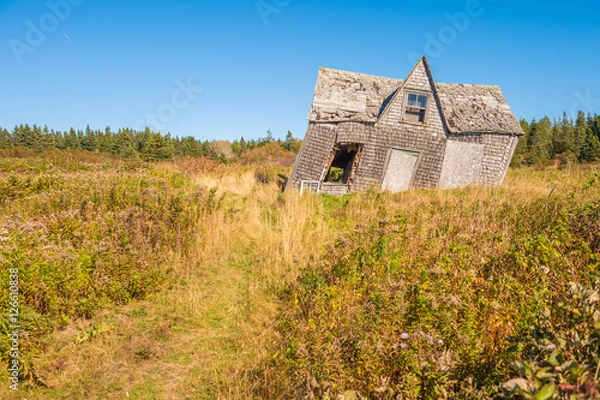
point(146, 145)
point(561, 141)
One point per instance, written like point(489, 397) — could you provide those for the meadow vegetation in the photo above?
point(195, 279)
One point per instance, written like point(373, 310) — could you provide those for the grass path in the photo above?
point(201, 336)
point(191, 341)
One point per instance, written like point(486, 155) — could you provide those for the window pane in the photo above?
point(412, 100)
point(423, 101)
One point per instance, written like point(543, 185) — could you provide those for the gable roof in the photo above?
point(348, 96)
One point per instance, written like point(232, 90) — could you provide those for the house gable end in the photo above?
point(419, 83)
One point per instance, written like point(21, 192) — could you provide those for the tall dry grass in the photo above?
point(209, 329)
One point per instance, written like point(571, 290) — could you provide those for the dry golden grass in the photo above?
point(200, 337)
point(203, 335)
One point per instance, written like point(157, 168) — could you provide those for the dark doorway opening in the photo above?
point(343, 163)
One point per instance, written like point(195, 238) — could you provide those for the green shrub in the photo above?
point(561, 351)
point(92, 244)
point(335, 175)
point(395, 311)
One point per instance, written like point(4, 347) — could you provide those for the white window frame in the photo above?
point(405, 107)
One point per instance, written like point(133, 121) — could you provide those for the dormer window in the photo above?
point(416, 107)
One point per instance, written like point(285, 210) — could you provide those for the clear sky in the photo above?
point(226, 69)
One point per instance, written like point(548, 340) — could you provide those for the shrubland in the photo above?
point(194, 279)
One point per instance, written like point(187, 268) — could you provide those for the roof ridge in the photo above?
point(465, 107)
point(402, 80)
point(468, 84)
point(358, 73)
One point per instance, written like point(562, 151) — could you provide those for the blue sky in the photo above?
point(222, 70)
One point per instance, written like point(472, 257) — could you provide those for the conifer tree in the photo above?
point(292, 144)
point(88, 140)
point(48, 138)
point(71, 140)
point(157, 147)
point(125, 144)
point(581, 128)
point(540, 142)
point(591, 147)
point(522, 149)
point(22, 136)
point(594, 123)
point(563, 141)
point(6, 139)
point(106, 140)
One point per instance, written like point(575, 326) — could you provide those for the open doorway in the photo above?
point(343, 163)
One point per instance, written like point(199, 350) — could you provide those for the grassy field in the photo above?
point(196, 280)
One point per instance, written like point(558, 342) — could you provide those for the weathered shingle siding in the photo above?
point(428, 139)
point(368, 173)
point(354, 132)
point(313, 154)
point(498, 151)
point(418, 79)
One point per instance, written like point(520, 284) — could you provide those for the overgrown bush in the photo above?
point(81, 245)
point(561, 351)
point(392, 311)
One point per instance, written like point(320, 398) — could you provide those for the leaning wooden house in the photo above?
point(366, 131)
